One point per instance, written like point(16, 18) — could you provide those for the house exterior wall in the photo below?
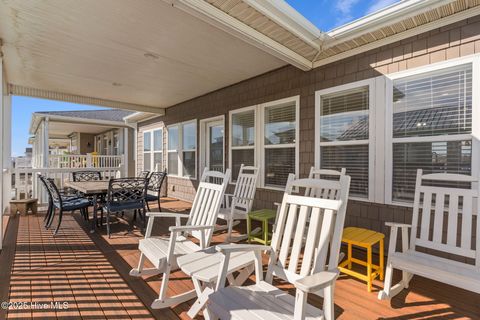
point(445, 43)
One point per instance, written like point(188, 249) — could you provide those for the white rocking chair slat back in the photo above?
point(245, 188)
point(450, 205)
point(321, 174)
point(320, 219)
point(206, 204)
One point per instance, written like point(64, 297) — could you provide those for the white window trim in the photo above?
point(371, 83)
point(259, 139)
point(389, 140)
point(180, 149)
point(203, 135)
point(152, 147)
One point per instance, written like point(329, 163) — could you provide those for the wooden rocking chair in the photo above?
point(305, 266)
point(164, 251)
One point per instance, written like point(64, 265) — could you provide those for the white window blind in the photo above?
point(182, 149)
point(243, 141)
point(172, 161)
point(431, 106)
point(279, 144)
point(147, 148)
point(344, 135)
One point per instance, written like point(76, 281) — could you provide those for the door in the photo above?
point(214, 145)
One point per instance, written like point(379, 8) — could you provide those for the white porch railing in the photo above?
point(60, 175)
point(84, 161)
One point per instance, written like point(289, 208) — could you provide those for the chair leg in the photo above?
point(108, 223)
point(230, 228)
point(50, 219)
point(159, 207)
point(60, 214)
point(328, 305)
point(47, 215)
point(148, 206)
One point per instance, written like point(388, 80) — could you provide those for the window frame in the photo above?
point(474, 60)
point(259, 138)
point(203, 134)
point(152, 148)
point(180, 149)
point(371, 141)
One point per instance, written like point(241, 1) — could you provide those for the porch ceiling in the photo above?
point(146, 52)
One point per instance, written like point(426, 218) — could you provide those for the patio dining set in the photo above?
point(110, 196)
point(302, 238)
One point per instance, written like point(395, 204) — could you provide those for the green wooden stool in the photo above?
point(263, 216)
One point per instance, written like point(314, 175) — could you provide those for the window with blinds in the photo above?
point(279, 144)
point(344, 135)
point(426, 107)
point(268, 141)
point(153, 150)
point(243, 140)
point(182, 149)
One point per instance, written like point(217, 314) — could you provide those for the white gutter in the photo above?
point(382, 18)
point(139, 116)
point(290, 19)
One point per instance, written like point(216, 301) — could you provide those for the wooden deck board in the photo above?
point(90, 271)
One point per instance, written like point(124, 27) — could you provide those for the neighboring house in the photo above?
point(85, 138)
point(381, 113)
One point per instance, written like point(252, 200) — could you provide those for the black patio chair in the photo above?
point(56, 201)
point(126, 194)
point(154, 188)
point(144, 174)
point(65, 197)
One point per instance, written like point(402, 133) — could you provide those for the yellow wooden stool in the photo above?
point(363, 238)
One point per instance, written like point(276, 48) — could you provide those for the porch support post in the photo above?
point(5, 148)
point(2, 200)
point(126, 155)
point(45, 143)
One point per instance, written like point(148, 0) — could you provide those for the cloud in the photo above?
point(344, 8)
point(377, 5)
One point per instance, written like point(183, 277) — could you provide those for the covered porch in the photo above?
point(40, 269)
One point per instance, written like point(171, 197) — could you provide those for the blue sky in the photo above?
point(325, 14)
point(329, 14)
point(22, 109)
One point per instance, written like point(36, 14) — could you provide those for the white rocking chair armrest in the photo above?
point(167, 215)
point(397, 225)
point(241, 247)
point(189, 228)
point(277, 204)
point(316, 281)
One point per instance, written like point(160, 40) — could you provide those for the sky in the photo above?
point(325, 14)
point(329, 14)
point(22, 109)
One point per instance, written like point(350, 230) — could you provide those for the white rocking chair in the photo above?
point(305, 266)
point(454, 209)
point(164, 251)
point(239, 204)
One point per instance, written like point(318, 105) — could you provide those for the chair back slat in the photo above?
point(207, 202)
point(86, 175)
point(245, 188)
point(294, 256)
point(455, 214)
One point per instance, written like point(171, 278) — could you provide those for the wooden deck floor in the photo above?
point(90, 272)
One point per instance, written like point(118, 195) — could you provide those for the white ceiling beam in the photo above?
point(67, 97)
